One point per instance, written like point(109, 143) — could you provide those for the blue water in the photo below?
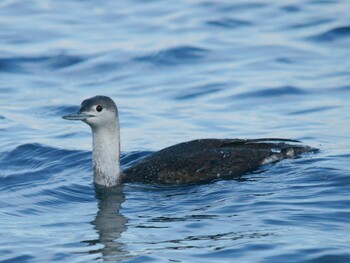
point(178, 71)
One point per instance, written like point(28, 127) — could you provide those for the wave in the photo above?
point(334, 34)
point(27, 64)
point(174, 56)
point(273, 92)
point(34, 163)
point(229, 23)
point(199, 91)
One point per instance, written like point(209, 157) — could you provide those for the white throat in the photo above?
point(106, 154)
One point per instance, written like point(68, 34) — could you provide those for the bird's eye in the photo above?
point(99, 108)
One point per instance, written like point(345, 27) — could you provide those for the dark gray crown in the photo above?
point(104, 101)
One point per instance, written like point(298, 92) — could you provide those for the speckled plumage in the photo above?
point(210, 159)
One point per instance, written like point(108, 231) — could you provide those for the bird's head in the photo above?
point(98, 111)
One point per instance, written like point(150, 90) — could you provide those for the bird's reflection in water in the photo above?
point(109, 224)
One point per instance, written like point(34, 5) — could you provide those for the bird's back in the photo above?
point(205, 160)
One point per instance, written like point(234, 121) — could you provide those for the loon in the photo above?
point(195, 161)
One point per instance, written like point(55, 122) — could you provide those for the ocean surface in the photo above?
point(178, 70)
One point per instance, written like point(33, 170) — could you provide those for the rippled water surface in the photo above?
point(178, 70)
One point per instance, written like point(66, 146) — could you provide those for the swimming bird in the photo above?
point(195, 161)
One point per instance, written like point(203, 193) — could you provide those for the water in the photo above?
point(178, 71)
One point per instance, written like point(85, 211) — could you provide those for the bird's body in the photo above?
point(190, 162)
point(210, 159)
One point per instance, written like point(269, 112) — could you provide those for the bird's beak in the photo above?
point(79, 116)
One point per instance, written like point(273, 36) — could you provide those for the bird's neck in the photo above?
point(106, 154)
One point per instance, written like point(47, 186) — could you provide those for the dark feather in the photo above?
point(209, 159)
